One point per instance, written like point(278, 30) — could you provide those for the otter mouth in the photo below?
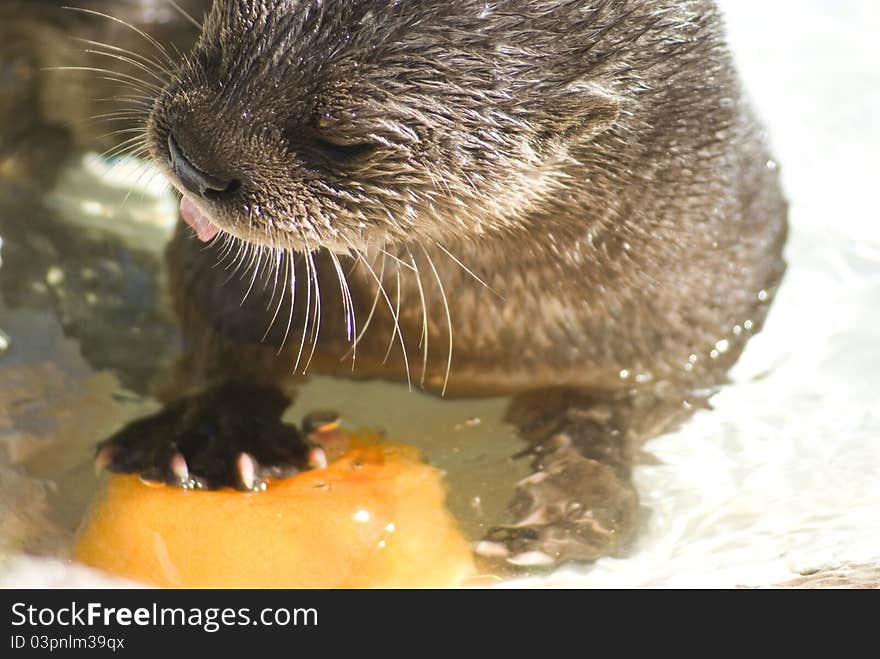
point(205, 229)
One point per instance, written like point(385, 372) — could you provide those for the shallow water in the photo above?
point(781, 477)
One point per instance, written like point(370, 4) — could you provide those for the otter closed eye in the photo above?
point(576, 191)
point(341, 152)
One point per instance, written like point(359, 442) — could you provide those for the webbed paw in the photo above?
point(572, 508)
point(228, 436)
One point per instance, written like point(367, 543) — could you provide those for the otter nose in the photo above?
point(193, 178)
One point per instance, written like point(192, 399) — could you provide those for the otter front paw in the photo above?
point(228, 436)
point(572, 508)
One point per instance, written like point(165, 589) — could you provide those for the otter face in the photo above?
point(352, 123)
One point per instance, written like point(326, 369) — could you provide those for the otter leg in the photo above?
point(221, 425)
point(579, 504)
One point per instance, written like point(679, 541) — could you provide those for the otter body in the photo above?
point(569, 201)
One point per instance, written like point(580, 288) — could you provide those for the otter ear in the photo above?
point(581, 112)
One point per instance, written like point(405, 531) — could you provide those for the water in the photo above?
point(781, 477)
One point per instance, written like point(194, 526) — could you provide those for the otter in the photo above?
point(569, 202)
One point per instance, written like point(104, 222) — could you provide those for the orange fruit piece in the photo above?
point(375, 517)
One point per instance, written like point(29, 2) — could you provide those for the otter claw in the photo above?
point(531, 559)
point(247, 471)
point(489, 549)
point(317, 458)
point(179, 468)
point(103, 459)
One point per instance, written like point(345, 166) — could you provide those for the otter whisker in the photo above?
point(98, 119)
point(129, 81)
point(118, 115)
point(291, 268)
point(250, 253)
point(347, 305)
point(135, 111)
point(369, 316)
point(258, 252)
point(228, 241)
point(467, 270)
point(113, 76)
point(227, 257)
point(149, 66)
point(153, 65)
point(141, 67)
point(143, 168)
point(125, 145)
point(272, 271)
point(448, 318)
point(343, 299)
point(390, 308)
point(183, 12)
point(279, 259)
point(138, 179)
point(423, 339)
point(240, 256)
point(396, 315)
point(216, 239)
point(316, 317)
point(134, 153)
point(139, 130)
point(305, 328)
point(234, 243)
point(396, 259)
point(235, 264)
point(158, 46)
point(146, 102)
point(181, 56)
point(246, 261)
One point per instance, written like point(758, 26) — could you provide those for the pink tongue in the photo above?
point(205, 229)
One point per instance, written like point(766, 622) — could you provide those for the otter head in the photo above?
point(349, 123)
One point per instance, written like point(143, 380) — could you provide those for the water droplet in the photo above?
point(748, 325)
point(763, 296)
point(624, 374)
point(722, 346)
point(54, 275)
point(361, 515)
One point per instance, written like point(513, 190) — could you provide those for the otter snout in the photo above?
point(194, 179)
